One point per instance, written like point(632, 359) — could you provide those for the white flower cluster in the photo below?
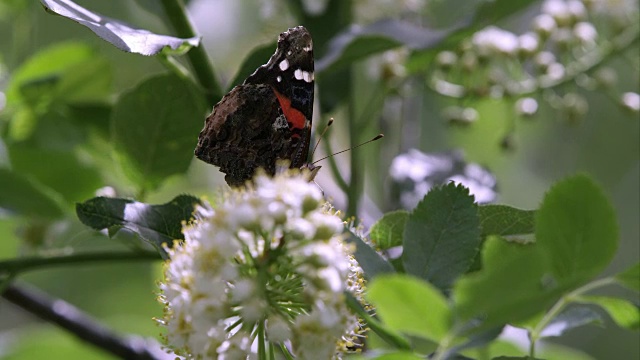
point(566, 42)
point(266, 267)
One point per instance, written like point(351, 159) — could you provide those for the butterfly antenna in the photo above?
point(324, 131)
point(377, 137)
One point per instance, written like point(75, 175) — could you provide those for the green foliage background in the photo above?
point(605, 145)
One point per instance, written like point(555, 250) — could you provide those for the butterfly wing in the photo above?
point(266, 118)
point(238, 139)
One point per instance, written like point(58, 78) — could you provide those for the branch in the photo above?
point(15, 266)
point(70, 318)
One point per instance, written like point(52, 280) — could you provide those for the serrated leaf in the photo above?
point(576, 227)
point(156, 126)
point(258, 56)
point(388, 231)
point(571, 318)
point(630, 277)
point(117, 33)
point(369, 260)
point(442, 236)
point(623, 312)
point(509, 286)
point(411, 306)
point(22, 196)
point(155, 224)
point(505, 220)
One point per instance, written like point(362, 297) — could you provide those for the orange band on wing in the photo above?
point(293, 115)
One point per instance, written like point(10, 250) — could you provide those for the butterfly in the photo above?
point(267, 118)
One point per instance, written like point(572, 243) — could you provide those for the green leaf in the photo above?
point(376, 328)
point(442, 236)
point(480, 339)
point(64, 172)
point(411, 306)
point(398, 356)
point(571, 318)
point(630, 277)
point(120, 35)
point(357, 43)
point(509, 286)
point(62, 73)
point(369, 260)
point(552, 351)
point(258, 56)
point(88, 82)
point(576, 227)
point(490, 12)
point(155, 224)
point(388, 231)
point(505, 220)
point(24, 197)
point(156, 126)
point(623, 312)
point(92, 116)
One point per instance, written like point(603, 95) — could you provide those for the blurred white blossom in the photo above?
point(568, 42)
point(631, 101)
point(493, 40)
point(527, 106)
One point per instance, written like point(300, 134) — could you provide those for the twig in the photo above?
point(76, 322)
point(18, 265)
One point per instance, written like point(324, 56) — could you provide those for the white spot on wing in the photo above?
point(298, 74)
point(284, 64)
point(281, 122)
point(279, 78)
point(308, 77)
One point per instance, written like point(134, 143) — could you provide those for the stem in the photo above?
point(443, 346)
point(342, 184)
point(204, 73)
point(355, 178)
point(262, 351)
point(286, 353)
point(174, 66)
point(391, 338)
point(272, 351)
point(15, 266)
point(70, 318)
point(534, 335)
point(356, 128)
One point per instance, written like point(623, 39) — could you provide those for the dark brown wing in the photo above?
point(237, 138)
